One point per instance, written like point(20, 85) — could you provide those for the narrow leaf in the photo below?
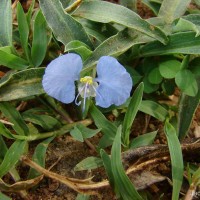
point(39, 156)
point(12, 156)
point(23, 30)
point(88, 164)
point(65, 27)
point(12, 61)
point(39, 44)
point(3, 148)
point(143, 140)
point(184, 42)
point(172, 9)
point(131, 112)
point(106, 12)
point(21, 84)
point(14, 116)
point(187, 108)
point(115, 46)
point(4, 197)
point(6, 23)
point(176, 159)
point(154, 109)
point(107, 127)
point(122, 182)
point(107, 165)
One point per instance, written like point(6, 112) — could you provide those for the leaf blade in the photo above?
point(106, 12)
point(64, 26)
point(6, 26)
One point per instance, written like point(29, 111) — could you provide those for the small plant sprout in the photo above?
point(112, 85)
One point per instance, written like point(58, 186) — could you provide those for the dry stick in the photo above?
point(14, 4)
point(87, 186)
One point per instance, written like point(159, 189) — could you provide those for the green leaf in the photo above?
point(186, 81)
point(12, 61)
point(76, 134)
point(122, 183)
point(186, 25)
point(80, 48)
point(3, 148)
point(154, 109)
point(168, 86)
point(39, 43)
point(143, 140)
point(14, 116)
point(45, 121)
point(80, 132)
point(30, 12)
point(64, 26)
point(107, 127)
point(115, 46)
point(185, 43)
point(107, 165)
point(39, 157)
point(21, 84)
point(23, 30)
point(82, 197)
point(169, 69)
point(5, 132)
point(4, 197)
point(154, 76)
point(6, 25)
point(176, 159)
point(194, 66)
point(106, 12)
point(149, 87)
point(12, 156)
point(187, 108)
point(172, 9)
point(154, 6)
point(88, 164)
point(131, 113)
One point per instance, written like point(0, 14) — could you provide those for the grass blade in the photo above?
point(6, 25)
point(176, 159)
point(122, 183)
point(12, 156)
point(131, 113)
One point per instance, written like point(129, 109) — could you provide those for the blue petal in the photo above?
point(115, 83)
point(59, 77)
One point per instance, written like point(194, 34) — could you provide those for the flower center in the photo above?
point(87, 80)
point(86, 88)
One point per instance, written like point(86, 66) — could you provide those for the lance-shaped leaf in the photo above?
point(39, 156)
point(21, 84)
point(11, 61)
point(122, 183)
point(65, 27)
point(23, 27)
point(184, 42)
point(172, 9)
point(105, 12)
point(6, 23)
point(12, 156)
point(176, 159)
point(115, 46)
point(39, 44)
point(187, 108)
point(14, 117)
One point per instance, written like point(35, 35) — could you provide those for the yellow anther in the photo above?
point(87, 79)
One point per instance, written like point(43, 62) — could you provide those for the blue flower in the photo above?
point(111, 86)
